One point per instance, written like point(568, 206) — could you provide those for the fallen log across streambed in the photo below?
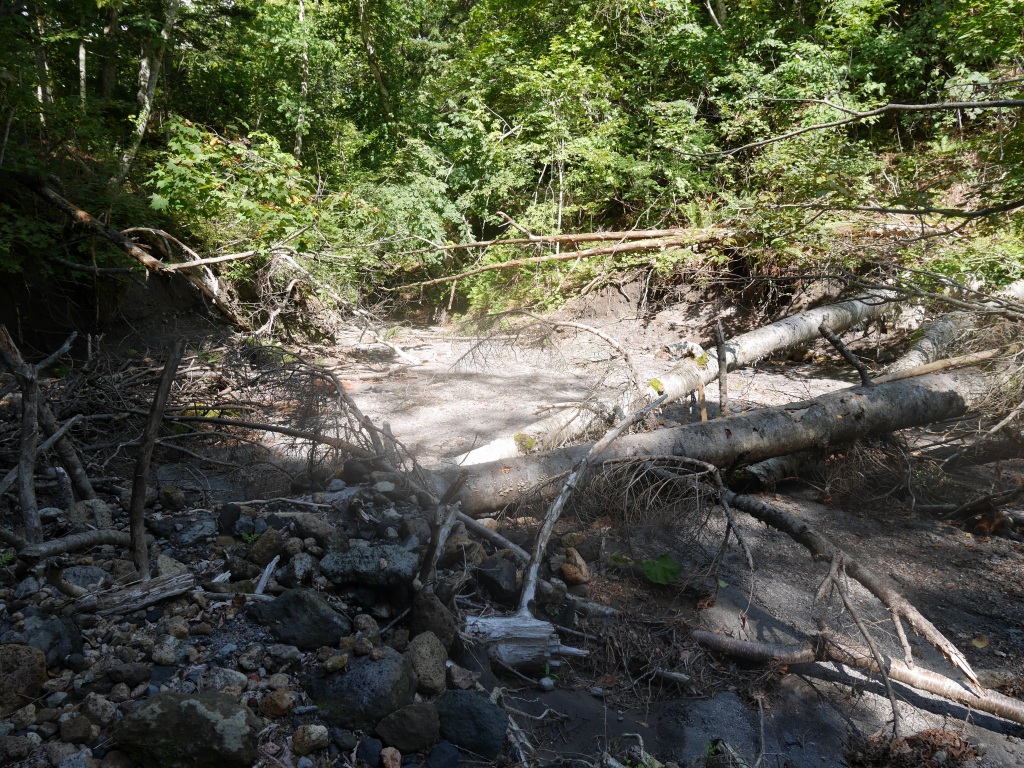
point(829, 420)
point(689, 374)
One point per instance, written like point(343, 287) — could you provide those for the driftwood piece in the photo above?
point(824, 550)
point(73, 542)
point(518, 642)
point(138, 595)
point(136, 510)
point(723, 370)
point(829, 646)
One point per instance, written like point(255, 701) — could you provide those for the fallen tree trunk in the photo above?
point(832, 647)
point(939, 336)
point(832, 419)
point(690, 374)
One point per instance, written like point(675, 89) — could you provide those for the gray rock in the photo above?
point(411, 728)
point(27, 588)
point(267, 547)
point(195, 533)
point(219, 678)
point(429, 614)
point(498, 576)
point(172, 730)
point(382, 565)
point(367, 693)
point(472, 722)
point(310, 738)
point(309, 525)
point(302, 618)
point(99, 710)
point(90, 512)
point(171, 497)
point(428, 657)
point(85, 576)
point(57, 638)
point(301, 569)
point(129, 673)
point(81, 759)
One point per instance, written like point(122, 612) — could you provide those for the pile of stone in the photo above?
point(345, 659)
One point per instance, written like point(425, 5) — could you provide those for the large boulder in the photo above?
point(22, 674)
point(303, 618)
point(381, 565)
point(472, 722)
point(174, 730)
point(368, 692)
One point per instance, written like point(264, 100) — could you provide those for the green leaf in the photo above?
point(664, 570)
point(158, 202)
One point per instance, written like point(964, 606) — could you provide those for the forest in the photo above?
point(365, 139)
point(356, 369)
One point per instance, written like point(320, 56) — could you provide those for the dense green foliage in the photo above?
point(396, 124)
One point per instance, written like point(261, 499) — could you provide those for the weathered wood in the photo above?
point(136, 596)
point(823, 549)
point(832, 647)
point(73, 542)
point(832, 419)
point(136, 510)
point(690, 374)
point(520, 642)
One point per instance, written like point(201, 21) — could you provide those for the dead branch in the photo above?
point(852, 359)
point(693, 237)
point(858, 116)
point(136, 596)
point(83, 219)
point(829, 646)
point(723, 369)
point(823, 549)
point(74, 542)
point(586, 237)
point(136, 511)
point(555, 511)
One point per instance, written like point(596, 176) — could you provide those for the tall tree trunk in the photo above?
point(81, 68)
point(44, 92)
point(373, 62)
point(149, 75)
point(832, 419)
point(300, 125)
point(111, 36)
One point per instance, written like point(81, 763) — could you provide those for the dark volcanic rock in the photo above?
point(498, 576)
point(22, 674)
point(411, 728)
point(367, 693)
point(56, 638)
point(429, 614)
point(369, 750)
point(173, 730)
point(301, 617)
point(472, 722)
point(382, 565)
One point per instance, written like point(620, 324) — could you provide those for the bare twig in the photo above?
point(555, 511)
point(852, 359)
point(136, 512)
